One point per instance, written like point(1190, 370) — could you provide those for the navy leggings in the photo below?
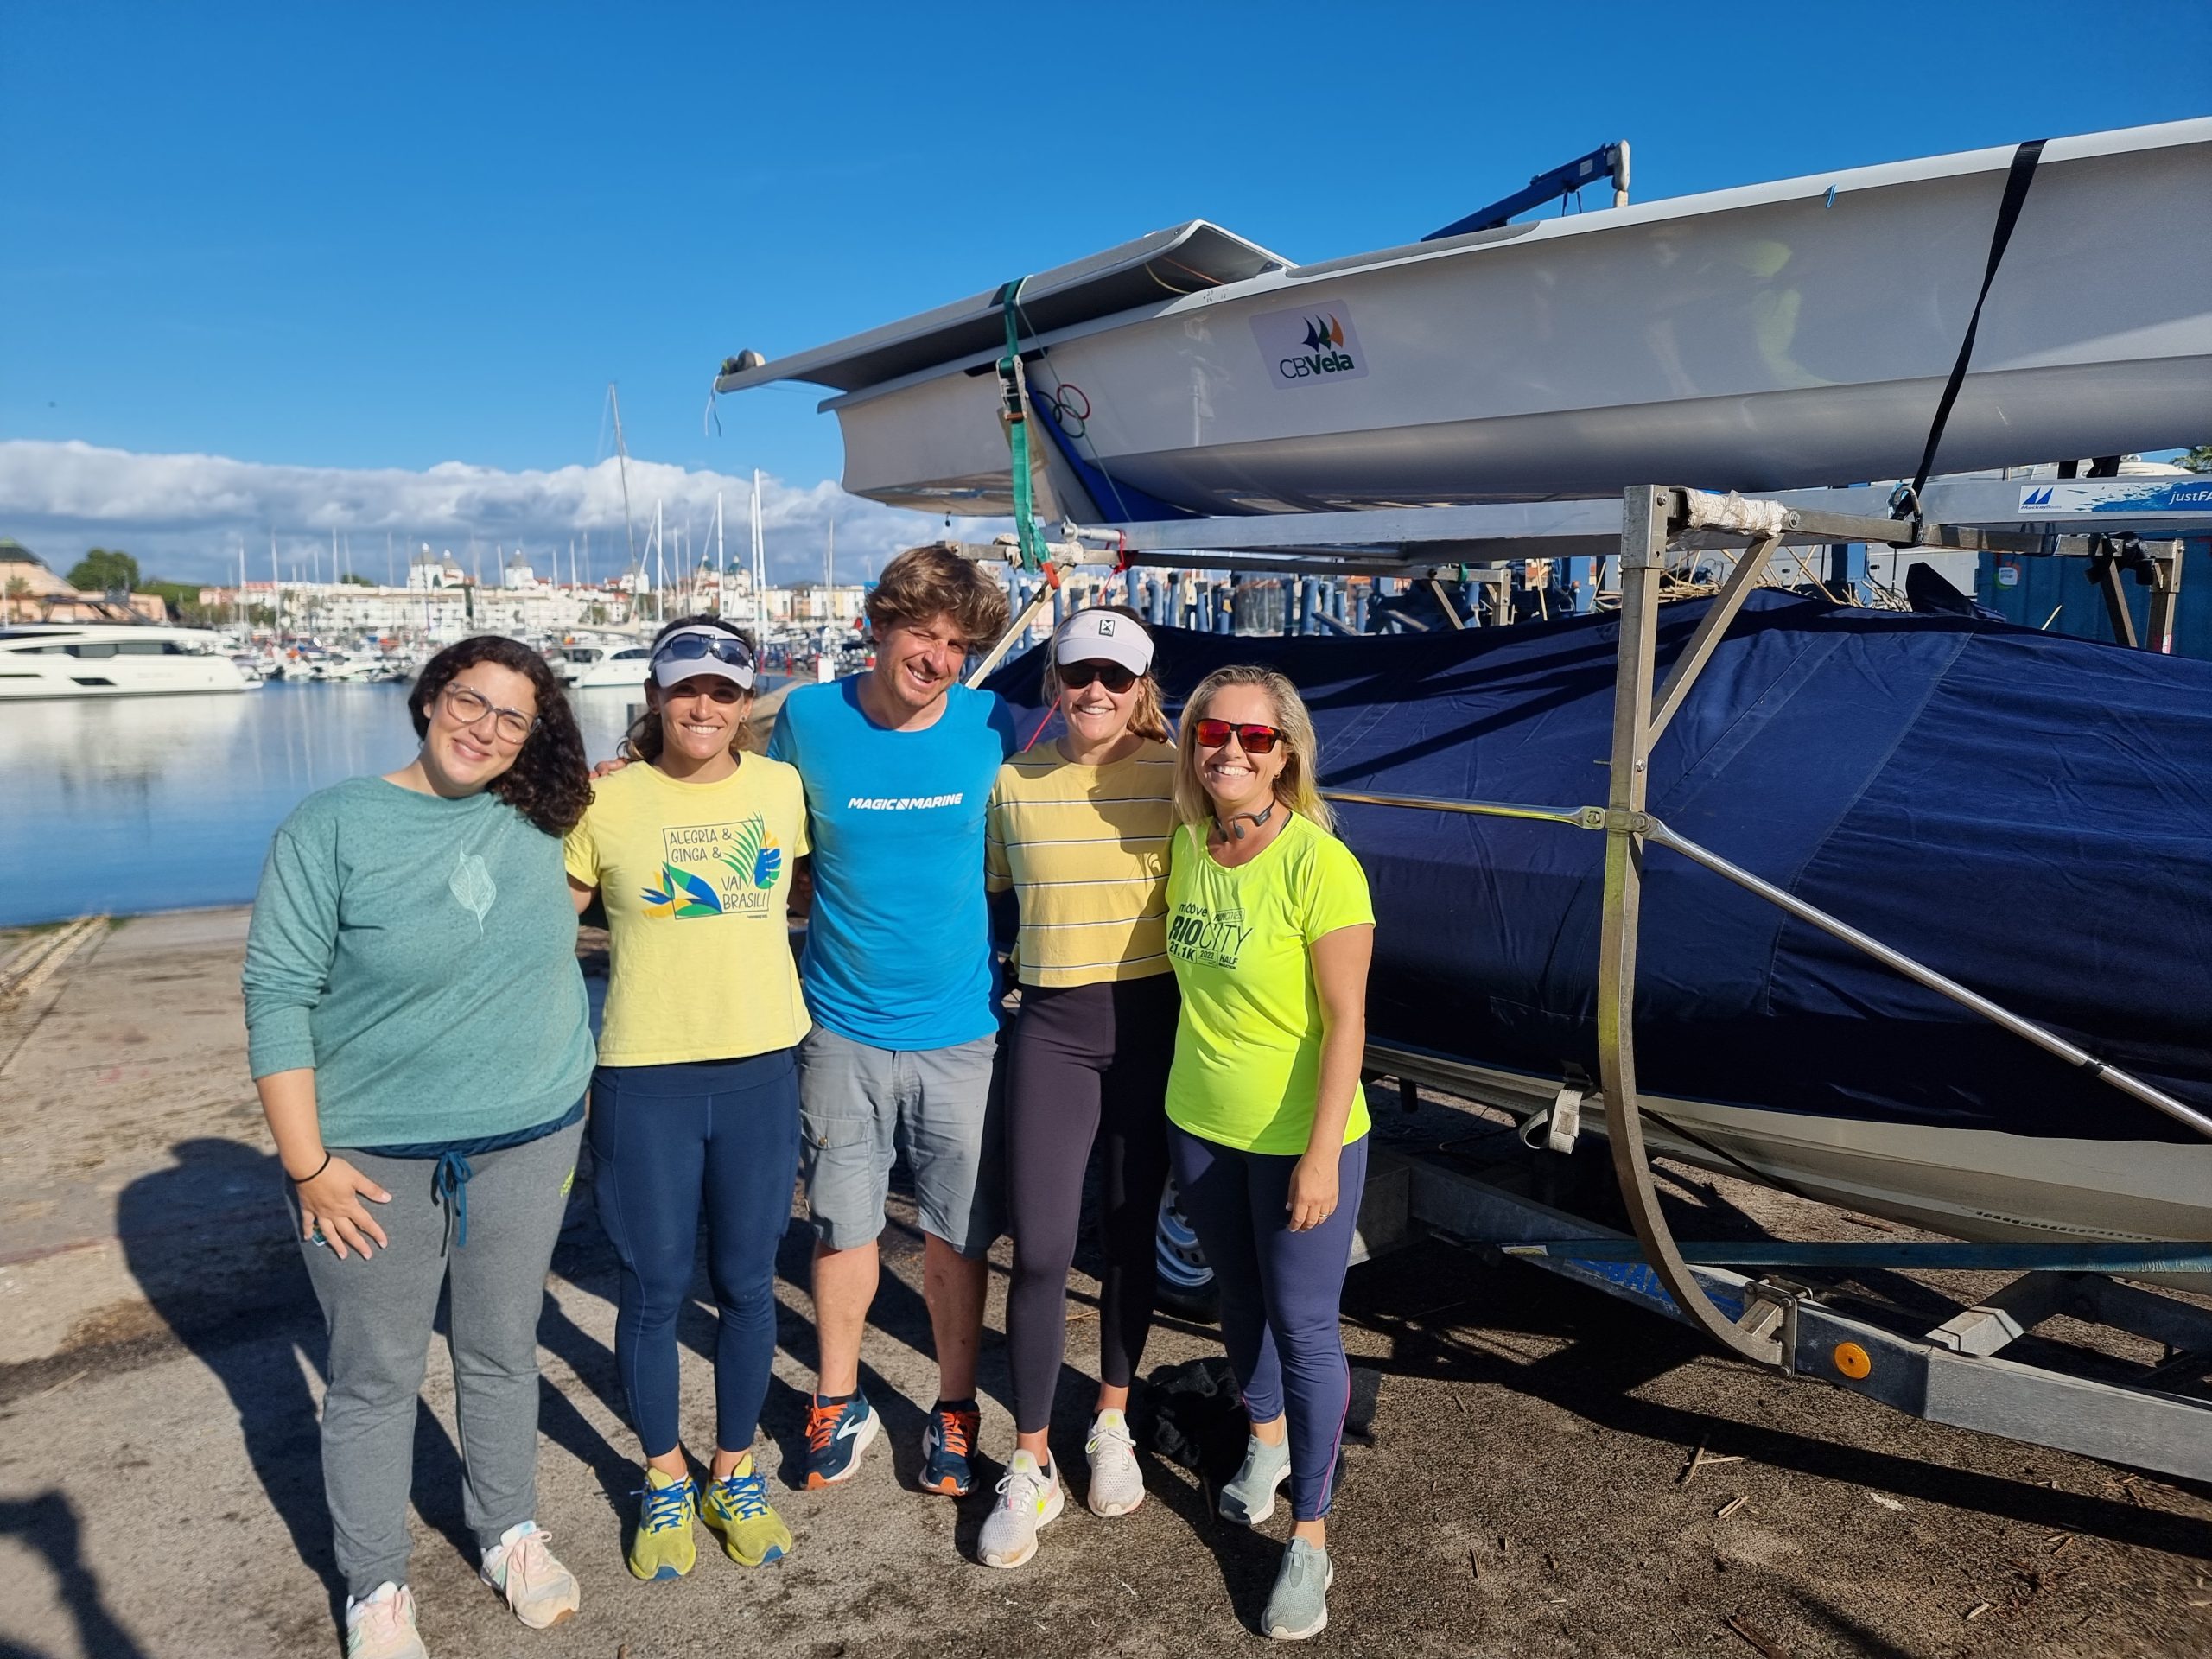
point(1088, 1063)
point(720, 1136)
point(1280, 1292)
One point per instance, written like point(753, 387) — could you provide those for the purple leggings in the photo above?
point(1280, 1292)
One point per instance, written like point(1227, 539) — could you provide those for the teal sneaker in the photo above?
point(1299, 1605)
point(1250, 1496)
point(736, 1509)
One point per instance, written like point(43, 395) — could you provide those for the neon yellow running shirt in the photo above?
point(1248, 1043)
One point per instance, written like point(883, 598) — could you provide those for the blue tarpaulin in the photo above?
point(2029, 814)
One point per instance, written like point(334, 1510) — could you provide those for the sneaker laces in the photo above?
point(379, 1617)
point(665, 1506)
point(525, 1560)
point(1021, 1488)
point(821, 1425)
point(744, 1497)
point(1104, 1434)
point(956, 1431)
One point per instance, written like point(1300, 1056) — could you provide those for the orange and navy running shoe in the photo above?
point(947, 1443)
point(837, 1432)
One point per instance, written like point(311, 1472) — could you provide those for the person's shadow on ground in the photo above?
point(210, 1242)
point(48, 1524)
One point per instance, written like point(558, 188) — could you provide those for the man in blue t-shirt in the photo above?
point(897, 763)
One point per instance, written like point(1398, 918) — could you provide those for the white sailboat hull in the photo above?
point(1969, 1183)
point(1784, 334)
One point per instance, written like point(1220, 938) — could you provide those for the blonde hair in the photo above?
point(1295, 785)
point(1149, 718)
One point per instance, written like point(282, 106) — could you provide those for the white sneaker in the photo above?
point(1028, 1498)
point(381, 1625)
point(541, 1592)
point(1116, 1482)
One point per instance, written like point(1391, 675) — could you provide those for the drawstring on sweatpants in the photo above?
point(449, 1186)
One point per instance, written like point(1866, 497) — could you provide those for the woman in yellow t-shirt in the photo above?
point(694, 1104)
point(1270, 931)
point(1078, 831)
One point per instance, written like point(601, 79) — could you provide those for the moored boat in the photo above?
point(100, 659)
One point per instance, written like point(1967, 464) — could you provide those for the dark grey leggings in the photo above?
point(1088, 1063)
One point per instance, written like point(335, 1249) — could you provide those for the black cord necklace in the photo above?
point(1232, 826)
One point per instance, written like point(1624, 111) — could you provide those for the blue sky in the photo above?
point(389, 237)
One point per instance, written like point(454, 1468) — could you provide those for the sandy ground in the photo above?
point(160, 1494)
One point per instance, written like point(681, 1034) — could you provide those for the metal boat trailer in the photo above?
point(1955, 1373)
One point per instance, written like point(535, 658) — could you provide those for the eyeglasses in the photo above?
point(1076, 676)
point(469, 707)
point(1254, 738)
point(723, 648)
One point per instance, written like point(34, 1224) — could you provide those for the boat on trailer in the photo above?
point(2029, 815)
point(1783, 334)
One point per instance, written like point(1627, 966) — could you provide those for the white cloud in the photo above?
point(186, 517)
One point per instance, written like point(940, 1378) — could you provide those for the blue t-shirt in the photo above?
point(898, 949)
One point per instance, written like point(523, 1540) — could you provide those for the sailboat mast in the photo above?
point(622, 465)
point(721, 557)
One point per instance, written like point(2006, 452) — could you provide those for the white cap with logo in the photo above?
point(1103, 636)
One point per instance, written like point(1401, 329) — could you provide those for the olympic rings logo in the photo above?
point(1070, 410)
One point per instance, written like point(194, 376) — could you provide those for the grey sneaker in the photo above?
point(1116, 1483)
point(1028, 1498)
point(1250, 1495)
point(1299, 1605)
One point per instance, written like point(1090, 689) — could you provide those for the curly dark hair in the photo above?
point(549, 783)
point(643, 739)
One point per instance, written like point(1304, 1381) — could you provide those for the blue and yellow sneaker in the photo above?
point(662, 1547)
point(947, 1443)
point(735, 1509)
point(837, 1432)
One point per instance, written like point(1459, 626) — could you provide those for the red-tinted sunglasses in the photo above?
point(1254, 738)
point(1076, 676)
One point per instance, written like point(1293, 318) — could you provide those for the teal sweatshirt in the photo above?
point(421, 955)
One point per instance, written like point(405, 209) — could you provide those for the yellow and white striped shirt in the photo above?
point(1085, 849)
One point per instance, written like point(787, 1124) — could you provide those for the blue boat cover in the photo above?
point(2029, 814)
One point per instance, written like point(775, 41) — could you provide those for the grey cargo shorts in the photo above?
point(860, 1106)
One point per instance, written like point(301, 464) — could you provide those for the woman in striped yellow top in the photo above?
point(1078, 831)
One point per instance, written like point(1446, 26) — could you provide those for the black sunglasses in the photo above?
point(1076, 676)
point(723, 648)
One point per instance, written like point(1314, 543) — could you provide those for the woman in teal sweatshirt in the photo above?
point(419, 1035)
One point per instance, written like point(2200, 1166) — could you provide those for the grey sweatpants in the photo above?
point(381, 1313)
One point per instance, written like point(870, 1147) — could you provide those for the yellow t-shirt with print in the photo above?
point(1247, 1043)
point(696, 880)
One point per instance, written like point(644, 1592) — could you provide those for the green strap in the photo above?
point(1026, 531)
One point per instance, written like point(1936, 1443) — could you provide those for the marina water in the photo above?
point(140, 803)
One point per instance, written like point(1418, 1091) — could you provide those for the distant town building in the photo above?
point(516, 573)
point(29, 592)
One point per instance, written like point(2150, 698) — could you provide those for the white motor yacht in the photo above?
point(621, 669)
point(105, 659)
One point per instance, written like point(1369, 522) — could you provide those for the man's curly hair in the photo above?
point(549, 783)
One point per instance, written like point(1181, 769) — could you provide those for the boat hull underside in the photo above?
point(1968, 1184)
point(1758, 441)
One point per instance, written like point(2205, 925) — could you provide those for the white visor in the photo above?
point(714, 651)
point(1102, 636)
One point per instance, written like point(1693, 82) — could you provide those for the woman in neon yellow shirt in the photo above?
point(694, 1104)
point(1270, 931)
